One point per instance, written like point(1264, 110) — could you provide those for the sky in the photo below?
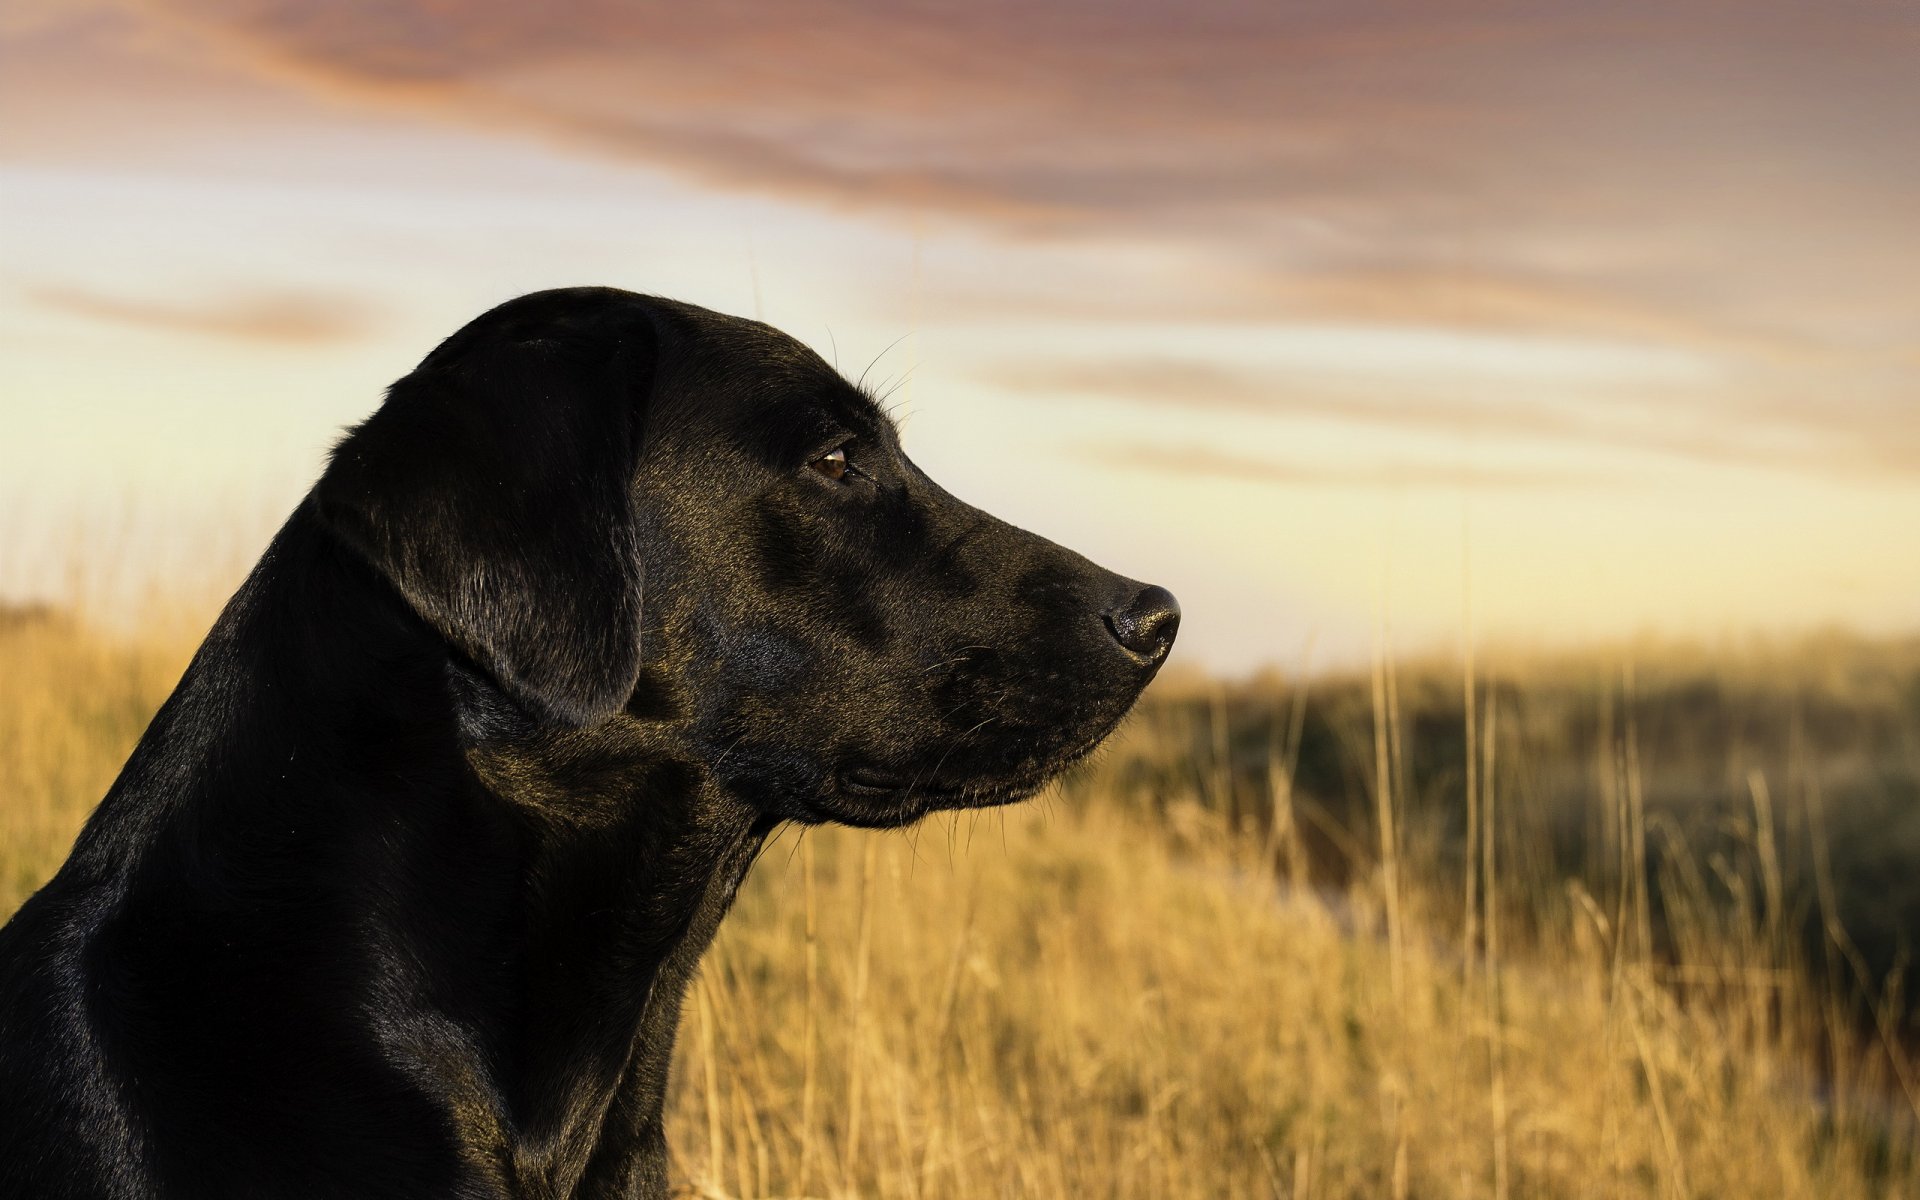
point(1550, 322)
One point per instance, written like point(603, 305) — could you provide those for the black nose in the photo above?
point(1147, 624)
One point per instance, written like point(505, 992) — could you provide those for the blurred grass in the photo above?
point(1176, 976)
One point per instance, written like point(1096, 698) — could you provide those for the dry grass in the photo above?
point(1095, 996)
point(72, 704)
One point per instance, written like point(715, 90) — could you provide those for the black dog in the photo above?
point(400, 891)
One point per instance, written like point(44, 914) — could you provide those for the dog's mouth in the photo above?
point(880, 799)
point(869, 784)
point(885, 796)
point(864, 782)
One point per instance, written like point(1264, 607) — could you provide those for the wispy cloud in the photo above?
point(1648, 167)
point(1746, 422)
point(1405, 119)
point(291, 318)
point(1654, 174)
point(1214, 464)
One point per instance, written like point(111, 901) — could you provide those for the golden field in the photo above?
point(1635, 943)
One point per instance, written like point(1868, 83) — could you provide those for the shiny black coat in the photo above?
point(399, 893)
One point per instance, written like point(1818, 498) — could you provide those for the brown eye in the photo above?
point(833, 466)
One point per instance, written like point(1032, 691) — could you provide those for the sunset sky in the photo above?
point(1606, 316)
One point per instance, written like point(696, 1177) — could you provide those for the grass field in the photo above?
point(1635, 943)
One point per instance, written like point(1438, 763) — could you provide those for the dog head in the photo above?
point(623, 507)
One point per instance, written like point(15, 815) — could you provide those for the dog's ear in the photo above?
point(494, 490)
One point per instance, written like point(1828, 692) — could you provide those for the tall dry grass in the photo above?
point(1144, 985)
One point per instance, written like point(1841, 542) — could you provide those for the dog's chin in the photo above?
point(874, 801)
point(885, 798)
point(877, 800)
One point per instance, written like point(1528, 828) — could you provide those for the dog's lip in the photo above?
point(871, 798)
point(867, 782)
point(861, 783)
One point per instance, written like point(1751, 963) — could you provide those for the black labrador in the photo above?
point(400, 891)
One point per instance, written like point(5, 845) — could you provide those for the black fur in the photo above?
point(400, 891)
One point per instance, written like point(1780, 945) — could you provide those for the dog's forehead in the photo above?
point(708, 373)
point(773, 392)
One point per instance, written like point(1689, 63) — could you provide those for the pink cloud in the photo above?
point(285, 317)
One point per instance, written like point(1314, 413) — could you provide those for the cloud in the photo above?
point(1181, 383)
point(1735, 184)
point(1645, 166)
point(1746, 422)
point(1214, 464)
point(288, 318)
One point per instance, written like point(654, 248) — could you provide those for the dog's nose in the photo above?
point(1145, 625)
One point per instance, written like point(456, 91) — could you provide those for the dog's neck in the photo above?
point(633, 857)
point(499, 918)
point(629, 855)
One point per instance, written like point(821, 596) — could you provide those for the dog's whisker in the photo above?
point(861, 383)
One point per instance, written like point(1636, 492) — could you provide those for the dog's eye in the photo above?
point(833, 466)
